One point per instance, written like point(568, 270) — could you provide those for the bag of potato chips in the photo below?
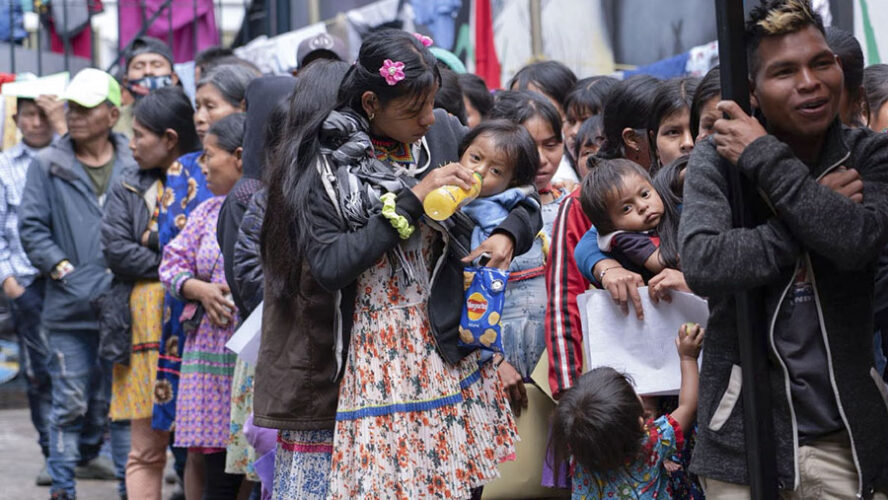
point(485, 295)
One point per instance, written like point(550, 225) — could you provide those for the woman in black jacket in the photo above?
point(163, 131)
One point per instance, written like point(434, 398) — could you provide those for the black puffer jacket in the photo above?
point(247, 265)
point(128, 210)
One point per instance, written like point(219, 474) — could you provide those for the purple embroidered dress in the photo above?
point(204, 399)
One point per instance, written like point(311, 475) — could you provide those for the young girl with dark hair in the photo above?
point(588, 141)
point(416, 416)
point(162, 131)
point(477, 98)
point(669, 124)
point(192, 270)
point(703, 108)
point(584, 101)
point(554, 81)
point(616, 451)
point(525, 296)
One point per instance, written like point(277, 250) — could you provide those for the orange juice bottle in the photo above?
point(446, 200)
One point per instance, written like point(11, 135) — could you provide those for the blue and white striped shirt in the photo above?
point(14, 163)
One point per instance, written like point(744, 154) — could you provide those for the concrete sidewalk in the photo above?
point(21, 460)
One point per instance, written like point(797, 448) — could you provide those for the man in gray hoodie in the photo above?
point(822, 219)
point(59, 224)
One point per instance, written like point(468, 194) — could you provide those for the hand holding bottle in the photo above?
point(452, 174)
point(459, 186)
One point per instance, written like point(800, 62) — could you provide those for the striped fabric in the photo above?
point(14, 164)
point(564, 335)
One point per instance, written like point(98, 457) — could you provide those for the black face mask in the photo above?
point(145, 85)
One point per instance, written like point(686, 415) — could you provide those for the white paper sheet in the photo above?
point(245, 341)
point(47, 85)
point(643, 349)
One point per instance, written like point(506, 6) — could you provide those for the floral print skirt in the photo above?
point(302, 465)
point(409, 425)
point(240, 456)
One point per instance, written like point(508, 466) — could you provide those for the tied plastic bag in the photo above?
point(483, 309)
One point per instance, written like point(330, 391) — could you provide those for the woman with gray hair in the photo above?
point(220, 93)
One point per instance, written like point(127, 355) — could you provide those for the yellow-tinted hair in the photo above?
point(789, 17)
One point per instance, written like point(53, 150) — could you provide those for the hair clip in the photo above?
point(426, 41)
point(392, 71)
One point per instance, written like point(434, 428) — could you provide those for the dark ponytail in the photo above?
point(628, 105)
point(670, 187)
point(290, 177)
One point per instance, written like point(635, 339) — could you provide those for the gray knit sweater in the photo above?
point(842, 240)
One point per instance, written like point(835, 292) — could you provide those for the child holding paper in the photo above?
point(600, 424)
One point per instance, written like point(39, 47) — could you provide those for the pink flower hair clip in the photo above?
point(392, 71)
point(426, 41)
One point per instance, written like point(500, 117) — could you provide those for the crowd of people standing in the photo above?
point(140, 228)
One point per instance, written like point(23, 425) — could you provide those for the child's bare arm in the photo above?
point(653, 263)
point(688, 343)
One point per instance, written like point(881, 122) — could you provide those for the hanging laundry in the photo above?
point(487, 64)
point(439, 16)
point(17, 32)
point(187, 17)
point(69, 21)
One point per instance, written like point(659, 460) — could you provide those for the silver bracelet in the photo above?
point(601, 276)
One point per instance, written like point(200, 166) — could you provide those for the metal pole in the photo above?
point(314, 11)
point(246, 22)
point(12, 34)
point(66, 42)
point(272, 18)
point(119, 38)
point(40, 11)
point(536, 29)
point(758, 424)
point(194, 26)
point(92, 35)
point(170, 26)
point(218, 19)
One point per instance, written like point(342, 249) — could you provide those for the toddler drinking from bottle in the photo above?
point(505, 160)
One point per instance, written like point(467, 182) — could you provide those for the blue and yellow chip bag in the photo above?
point(483, 309)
